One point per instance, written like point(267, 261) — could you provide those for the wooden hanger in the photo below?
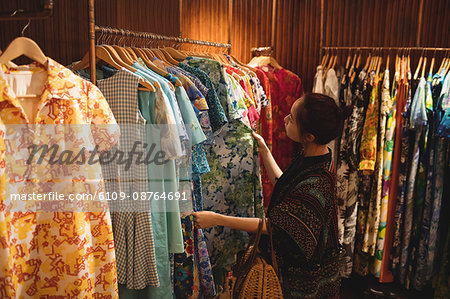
point(131, 53)
point(387, 62)
point(101, 53)
point(380, 62)
point(347, 63)
point(424, 66)
point(9, 64)
point(324, 59)
point(441, 67)
point(156, 53)
point(23, 46)
point(409, 64)
point(169, 57)
point(416, 73)
point(334, 61)
point(431, 65)
point(352, 66)
point(26, 47)
point(367, 62)
point(358, 61)
point(177, 55)
point(123, 54)
point(446, 65)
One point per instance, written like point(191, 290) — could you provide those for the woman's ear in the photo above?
point(310, 137)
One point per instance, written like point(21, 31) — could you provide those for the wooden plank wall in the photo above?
point(297, 40)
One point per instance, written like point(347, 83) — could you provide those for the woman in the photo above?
point(303, 209)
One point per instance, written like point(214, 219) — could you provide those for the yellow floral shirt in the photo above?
point(63, 253)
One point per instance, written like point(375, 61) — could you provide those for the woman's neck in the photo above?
point(314, 149)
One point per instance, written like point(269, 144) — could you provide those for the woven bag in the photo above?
point(255, 276)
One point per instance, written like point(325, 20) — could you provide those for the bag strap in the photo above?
point(272, 250)
point(254, 250)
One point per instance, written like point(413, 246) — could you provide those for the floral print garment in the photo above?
point(48, 254)
point(422, 265)
point(364, 186)
point(405, 163)
point(232, 187)
point(216, 74)
point(416, 123)
point(369, 137)
point(387, 125)
point(347, 184)
point(370, 150)
point(216, 111)
point(266, 131)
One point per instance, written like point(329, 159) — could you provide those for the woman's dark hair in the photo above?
point(320, 116)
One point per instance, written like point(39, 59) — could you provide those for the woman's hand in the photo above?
point(261, 143)
point(205, 219)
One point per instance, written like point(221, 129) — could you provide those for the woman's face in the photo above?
point(290, 122)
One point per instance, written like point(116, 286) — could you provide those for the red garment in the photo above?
point(286, 87)
point(265, 129)
point(386, 274)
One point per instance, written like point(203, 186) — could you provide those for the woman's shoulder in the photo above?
point(316, 185)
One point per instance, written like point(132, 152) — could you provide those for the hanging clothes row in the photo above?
point(284, 88)
point(226, 97)
point(391, 162)
point(209, 102)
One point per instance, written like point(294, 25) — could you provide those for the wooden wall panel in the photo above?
point(346, 23)
point(205, 20)
point(64, 36)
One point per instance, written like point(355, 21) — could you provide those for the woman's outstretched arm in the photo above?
point(205, 219)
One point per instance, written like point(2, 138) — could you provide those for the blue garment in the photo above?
point(216, 111)
point(168, 91)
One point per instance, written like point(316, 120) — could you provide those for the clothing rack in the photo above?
point(129, 33)
point(148, 35)
point(385, 48)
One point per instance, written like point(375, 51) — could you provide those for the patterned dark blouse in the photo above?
point(303, 214)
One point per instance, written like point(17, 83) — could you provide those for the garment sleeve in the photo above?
point(303, 214)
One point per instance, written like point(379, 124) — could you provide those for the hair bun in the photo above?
point(346, 111)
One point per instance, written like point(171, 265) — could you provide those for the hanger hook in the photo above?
point(26, 26)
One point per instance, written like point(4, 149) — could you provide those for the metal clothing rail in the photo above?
point(94, 28)
point(148, 35)
point(386, 48)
